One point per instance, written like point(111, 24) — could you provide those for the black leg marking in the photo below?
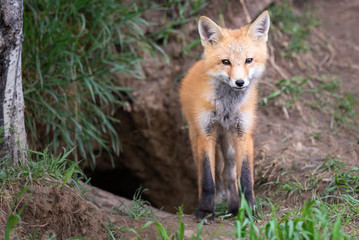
point(206, 204)
point(246, 182)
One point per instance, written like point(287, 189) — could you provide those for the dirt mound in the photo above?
point(52, 210)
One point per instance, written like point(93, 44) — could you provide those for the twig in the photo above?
point(347, 65)
point(245, 11)
point(274, 64)
point(329, 46)
point(299, 108)
point(285, 111)
point(36, 225)
point(324, 61)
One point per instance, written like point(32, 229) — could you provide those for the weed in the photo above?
point(187, 11)
point(14, 219)
point(292, 187)
point(292, 86)
point(329, 164)
point(329, 99)
point(138, 208)
point(41, 165)
point(316, 135)
point(71, 50)
point(161, 231)
point(221, 211)
point(296, 27)
point(314, 220)
point(325, 90)
point(347, 182)
point(344, 112)
point(311, 222)
point(114, 232)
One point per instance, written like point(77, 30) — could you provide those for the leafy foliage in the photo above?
point(294, 26)
point(139, 208)
point(71, 51)
point(41, 165)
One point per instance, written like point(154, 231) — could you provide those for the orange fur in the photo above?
point(216, 106)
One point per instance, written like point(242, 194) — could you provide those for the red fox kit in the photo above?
point(218, 98)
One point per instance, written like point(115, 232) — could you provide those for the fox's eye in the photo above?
point(226, 62)
point(249, 60)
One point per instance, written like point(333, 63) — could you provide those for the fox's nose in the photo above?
point(240, 83)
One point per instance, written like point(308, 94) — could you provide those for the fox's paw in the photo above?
point(233, 211)
point(207, 216)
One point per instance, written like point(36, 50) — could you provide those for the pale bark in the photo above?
point(11, 94)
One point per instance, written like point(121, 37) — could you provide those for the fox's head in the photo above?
point(236, 57)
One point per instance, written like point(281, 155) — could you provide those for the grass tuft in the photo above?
point(41, 165)
point(291, 27)
point(71, 51)
point(138, 208)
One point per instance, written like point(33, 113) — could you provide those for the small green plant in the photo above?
point(293, 87)
point(14, 218)
point(295, 26)
point(114, 232)
point(345, 113)
point(329, 164)
point(325, 89)
point(138, 208)
point(311, 222)
point(316, 135)
point(291, 187)
point(176, 27)
point(41, 165)
point(221, 211)
point(331, 99)
point(161, 231)
point(347, 182)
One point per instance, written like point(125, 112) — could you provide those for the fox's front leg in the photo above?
point(206, 180)
point(244, 159)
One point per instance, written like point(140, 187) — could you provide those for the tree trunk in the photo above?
point(11, 95)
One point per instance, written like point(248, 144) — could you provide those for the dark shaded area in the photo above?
point(120, 181)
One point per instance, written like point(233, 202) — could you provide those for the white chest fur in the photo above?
point(227, 103)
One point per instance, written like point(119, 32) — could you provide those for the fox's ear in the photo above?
point(260, 27)
point(209, 31)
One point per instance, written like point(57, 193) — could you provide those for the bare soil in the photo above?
point(284, 139)
point(48, 208)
